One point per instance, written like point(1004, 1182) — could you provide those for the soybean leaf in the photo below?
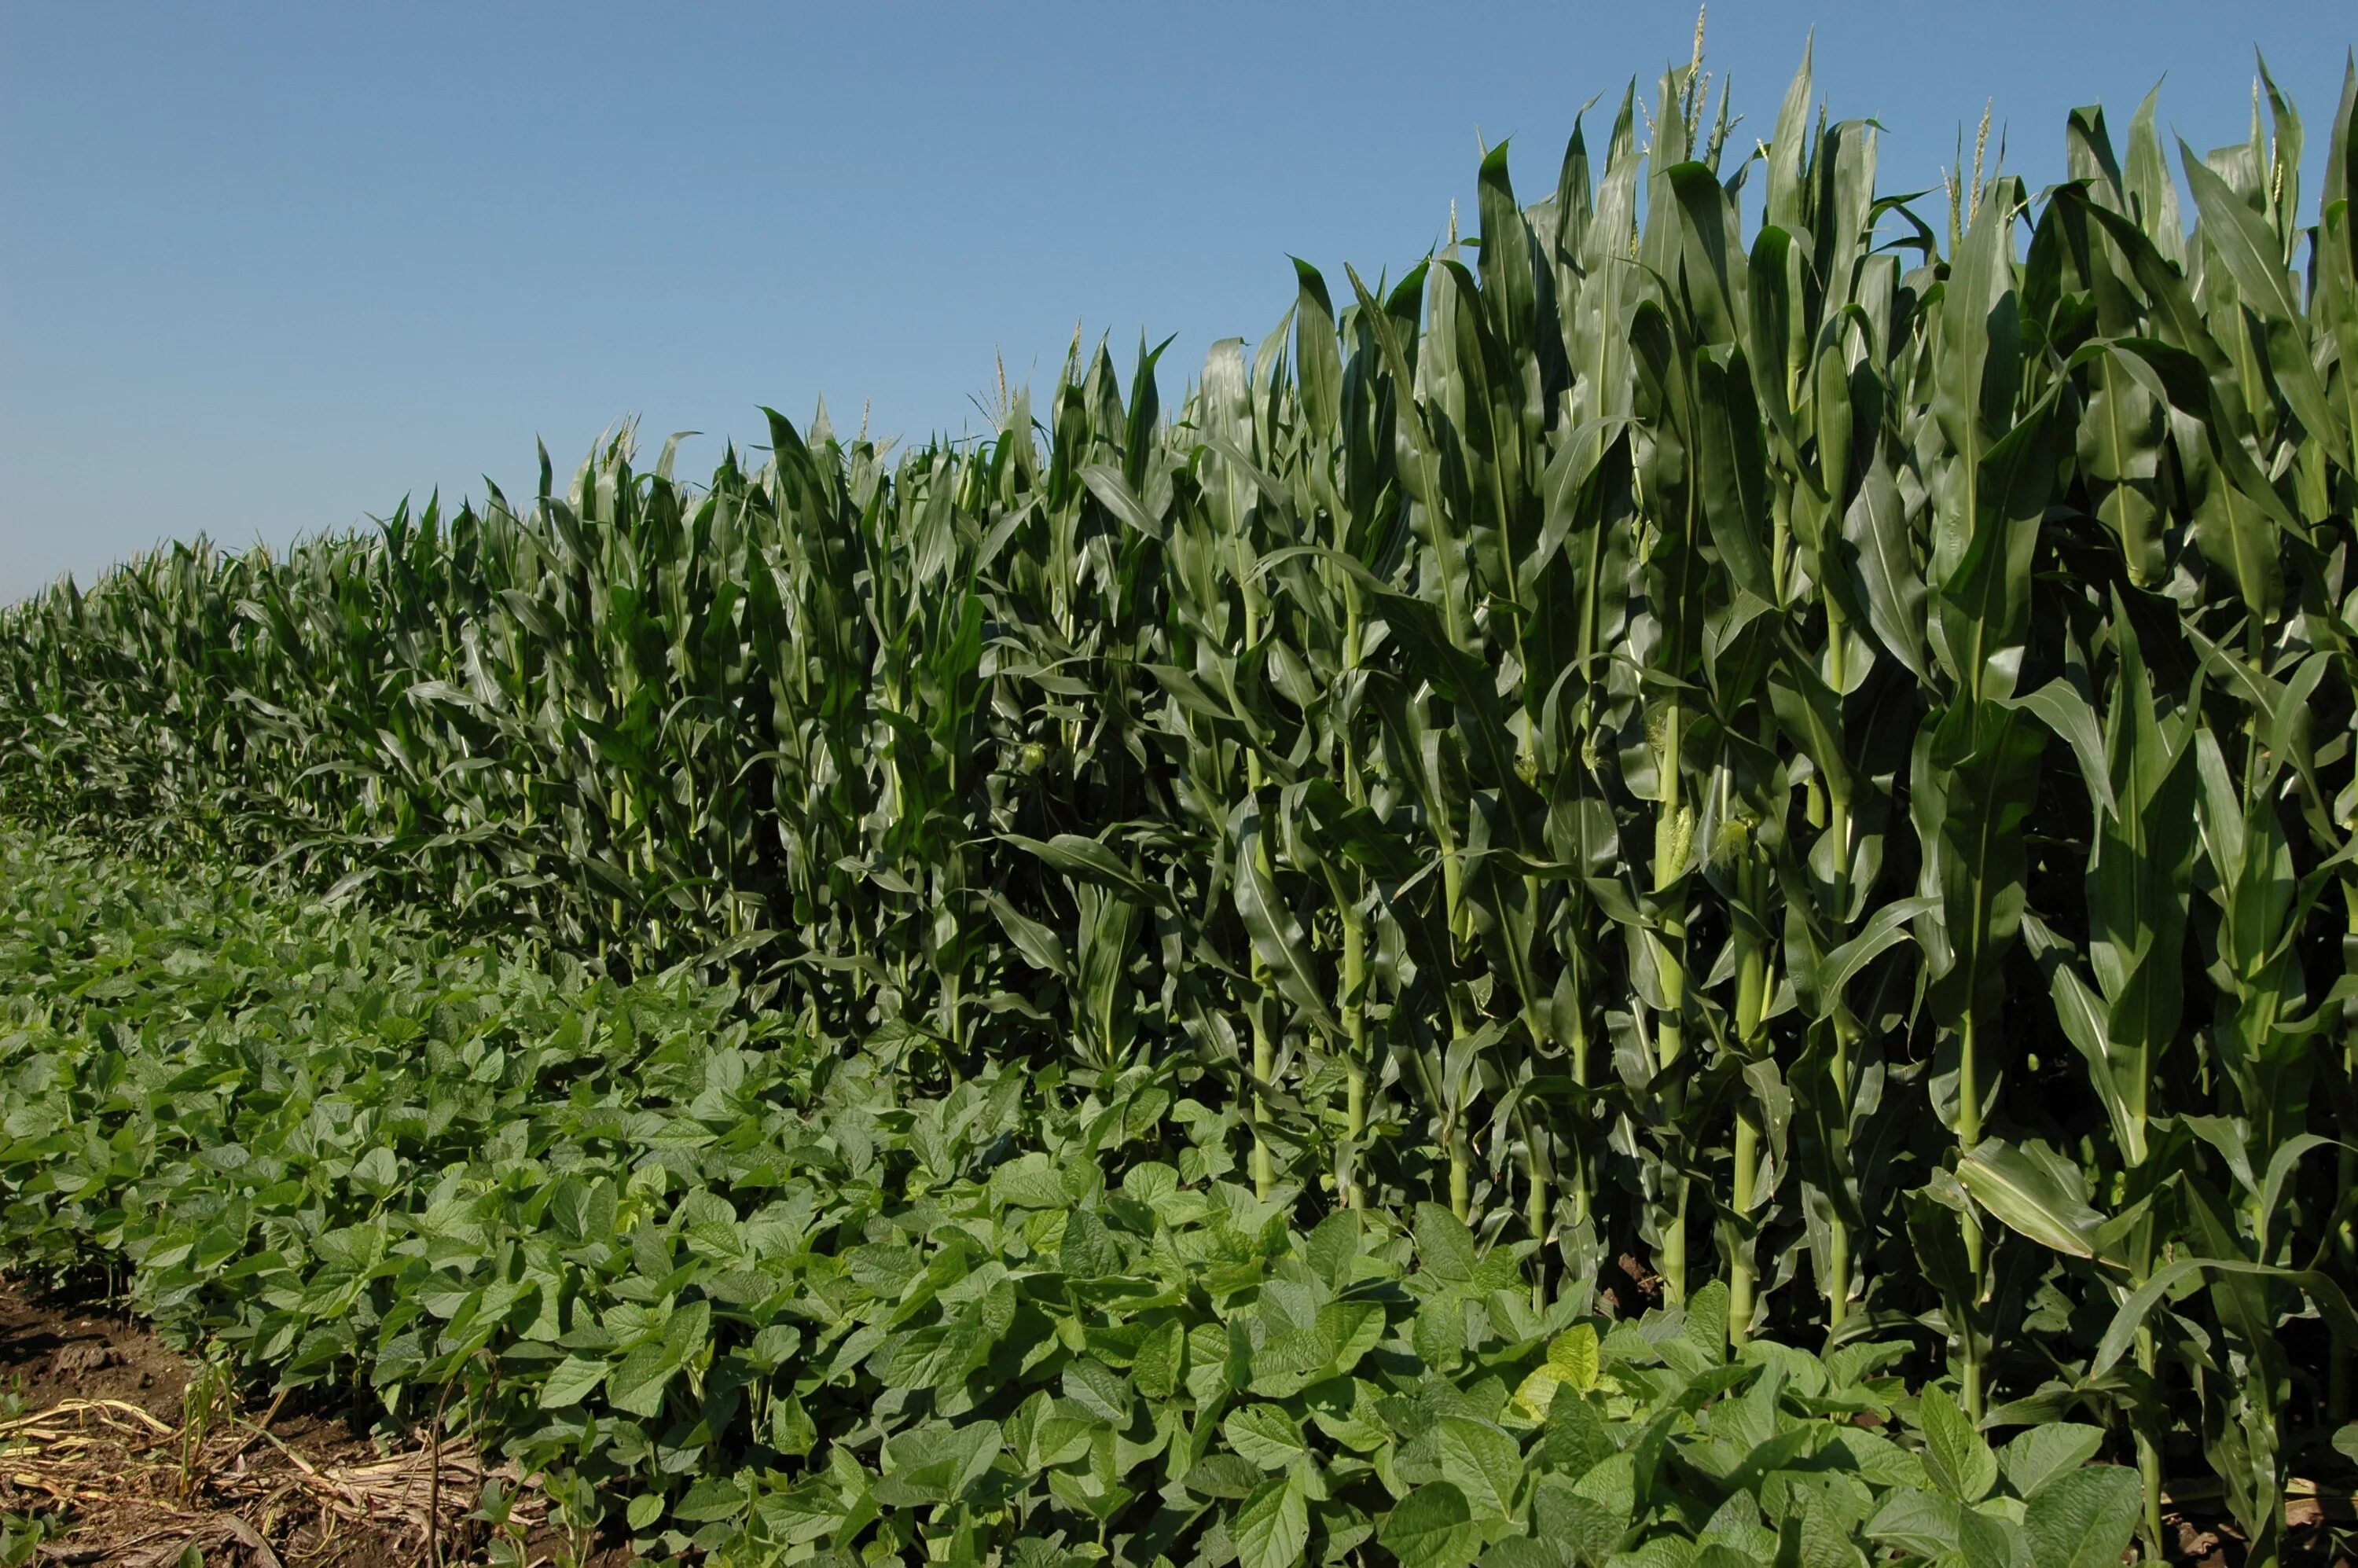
point(1955, 1456)
point(1430, 1528)
point(2085, 1517)
point(1266, 1435)
point(572, 1380)
point(2044, 1453)
point(1274, 1526)
point(1483, 1462)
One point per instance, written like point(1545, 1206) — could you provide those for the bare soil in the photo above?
point(57, 1349)
point(126, 1455)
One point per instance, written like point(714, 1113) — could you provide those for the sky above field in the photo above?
point(266, 269)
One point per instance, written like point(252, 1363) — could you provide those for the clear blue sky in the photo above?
point(266, 269)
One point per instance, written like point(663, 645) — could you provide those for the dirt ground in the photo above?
point(2317, 1531)
point(56, 1351)
point(126, 1456)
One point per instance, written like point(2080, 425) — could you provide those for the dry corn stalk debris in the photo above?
point(135, 1489)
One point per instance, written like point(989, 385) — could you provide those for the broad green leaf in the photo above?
point(638, 1385)
point(1445, 1247)
point(1576, 1437)
point(1430, 1528)
point(1266, 1435)
point(1987, 1540)
point(1572, 1361)
point(1955, 1456)
point(1162, 1352)
point(713, 1498)
point(1088, 1250)
point(1332, 1247)
point(1274, 1526)
point(376, 1173)
point(1100, 1390)
point(1529, 1552)
point(2085, 1517)
point(1706, 1327)
point(572, 1380)
point(1537, 1391)
point(1348, 1410)
point(1483, 1462)
point(2044, 1453)
point(1224, 1475)
point(1574, 1355)
point(1588, 1528)
point(1918, 1521)
point(1351, 1329)
point(1719, 1555)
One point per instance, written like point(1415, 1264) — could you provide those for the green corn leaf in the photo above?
point(1111, 487)
point(2063, 711)
point(1277, 936)
point(1317, 359)
point(1733, 472)
point(2028, 1195)
point(1891, 583)
point(2327, 1296)
point(1037, 942)
point(2252, 255)
point(2284, 1162)
point(1825, 980)
point(1089, 860)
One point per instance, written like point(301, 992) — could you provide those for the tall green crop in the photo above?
point(1815, 756)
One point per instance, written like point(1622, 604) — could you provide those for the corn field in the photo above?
point(1815, 756)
